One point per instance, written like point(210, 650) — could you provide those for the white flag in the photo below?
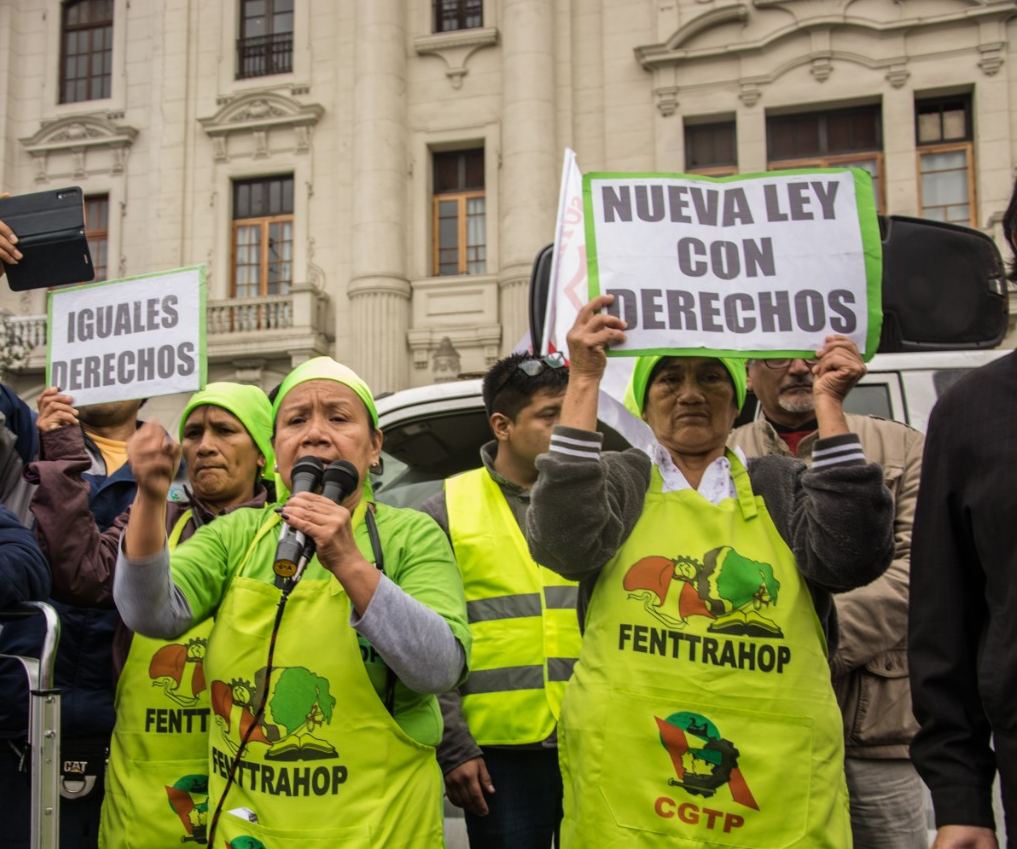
point(569, 290)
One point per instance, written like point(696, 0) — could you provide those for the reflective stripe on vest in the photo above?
point(523, 617)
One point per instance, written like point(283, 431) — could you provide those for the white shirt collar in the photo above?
point(716, 484)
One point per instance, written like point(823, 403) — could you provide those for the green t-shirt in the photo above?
point(417, 557)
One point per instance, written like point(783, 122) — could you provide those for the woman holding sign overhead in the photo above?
point(701, 707)
point(320, 666)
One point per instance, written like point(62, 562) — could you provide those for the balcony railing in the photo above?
point(264, 54)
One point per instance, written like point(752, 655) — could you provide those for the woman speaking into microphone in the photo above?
point(321, 678)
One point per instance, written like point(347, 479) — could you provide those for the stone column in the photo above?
point(379, 289)
point(530, 160)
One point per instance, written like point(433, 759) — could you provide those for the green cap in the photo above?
point(251, 407)
point(635, 393)
point(325, 368)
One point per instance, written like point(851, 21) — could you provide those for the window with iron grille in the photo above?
point(262, 237)
point(946, 185)
point(97, 233)
point(265, 45)
point(452, 15)
point(86, 50)
point(711, 149)
point(829, 139)
point(460, 224)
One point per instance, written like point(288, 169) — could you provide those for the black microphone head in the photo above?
point(340, 479)
point(306, 475)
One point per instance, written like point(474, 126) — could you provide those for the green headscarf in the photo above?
point(635, 393)
point(250, 406)
point(324, 368)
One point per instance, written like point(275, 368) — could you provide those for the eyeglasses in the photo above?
point(780, 365)
point(531, 367)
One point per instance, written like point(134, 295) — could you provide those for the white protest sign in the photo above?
point(767, 264)
point(133, 338)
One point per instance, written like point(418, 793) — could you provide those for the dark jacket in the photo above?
point(837, 520)
point(83, 664)
point(19, 445)
point(963, 622)
point(24, 573)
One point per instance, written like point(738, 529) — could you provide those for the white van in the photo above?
point(432, 432)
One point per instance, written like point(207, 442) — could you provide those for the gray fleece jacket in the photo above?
point(837, 517)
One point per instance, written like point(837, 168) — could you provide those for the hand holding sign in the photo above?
point(838, 368)
point(56, 410)
point(593, 331)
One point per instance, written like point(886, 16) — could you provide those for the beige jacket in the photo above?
point(870, 668)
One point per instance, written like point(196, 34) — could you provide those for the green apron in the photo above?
point(326, 766)
point(701, 711)
point(157, 777)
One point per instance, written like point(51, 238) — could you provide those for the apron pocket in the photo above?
point(232, 828)
point(156, 803)
point(707, 772)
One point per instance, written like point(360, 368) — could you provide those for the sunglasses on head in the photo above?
point(531, 367)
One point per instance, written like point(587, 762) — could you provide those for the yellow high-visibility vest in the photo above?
point(526, 634)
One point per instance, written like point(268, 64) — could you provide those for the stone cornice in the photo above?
point(678, 48)
point(259, 111)
point(76, 132)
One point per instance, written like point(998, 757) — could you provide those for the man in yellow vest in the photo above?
point(499, 750)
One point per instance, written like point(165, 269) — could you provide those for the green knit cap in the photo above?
point(325, 368)
point(251, 407)
point(635, 393)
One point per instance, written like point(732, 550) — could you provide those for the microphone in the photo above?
point(340, 479)
point(307, 475)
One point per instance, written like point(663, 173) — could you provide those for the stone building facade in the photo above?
point(371, 179)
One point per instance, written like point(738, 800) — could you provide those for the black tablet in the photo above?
point(50, 227)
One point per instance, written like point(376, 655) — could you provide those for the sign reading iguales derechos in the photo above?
point(768, 264)
point(133, 338)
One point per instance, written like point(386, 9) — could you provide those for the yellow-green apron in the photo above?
point(157, 777)
point(327, 766)
point(701, 711)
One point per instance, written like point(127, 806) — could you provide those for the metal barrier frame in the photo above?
point(43, 724)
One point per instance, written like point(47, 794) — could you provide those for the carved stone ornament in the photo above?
point(446, 361)
point(75, 136)
point(255, 114)
point(667, 99)
point(456, 48)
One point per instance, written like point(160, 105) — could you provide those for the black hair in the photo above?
point(1010, 233)
point(507, 388)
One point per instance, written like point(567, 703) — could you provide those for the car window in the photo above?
point(870, 399)
point(420, 450)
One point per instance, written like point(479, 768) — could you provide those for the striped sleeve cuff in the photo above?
point(573, 442)
point(842, 450)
